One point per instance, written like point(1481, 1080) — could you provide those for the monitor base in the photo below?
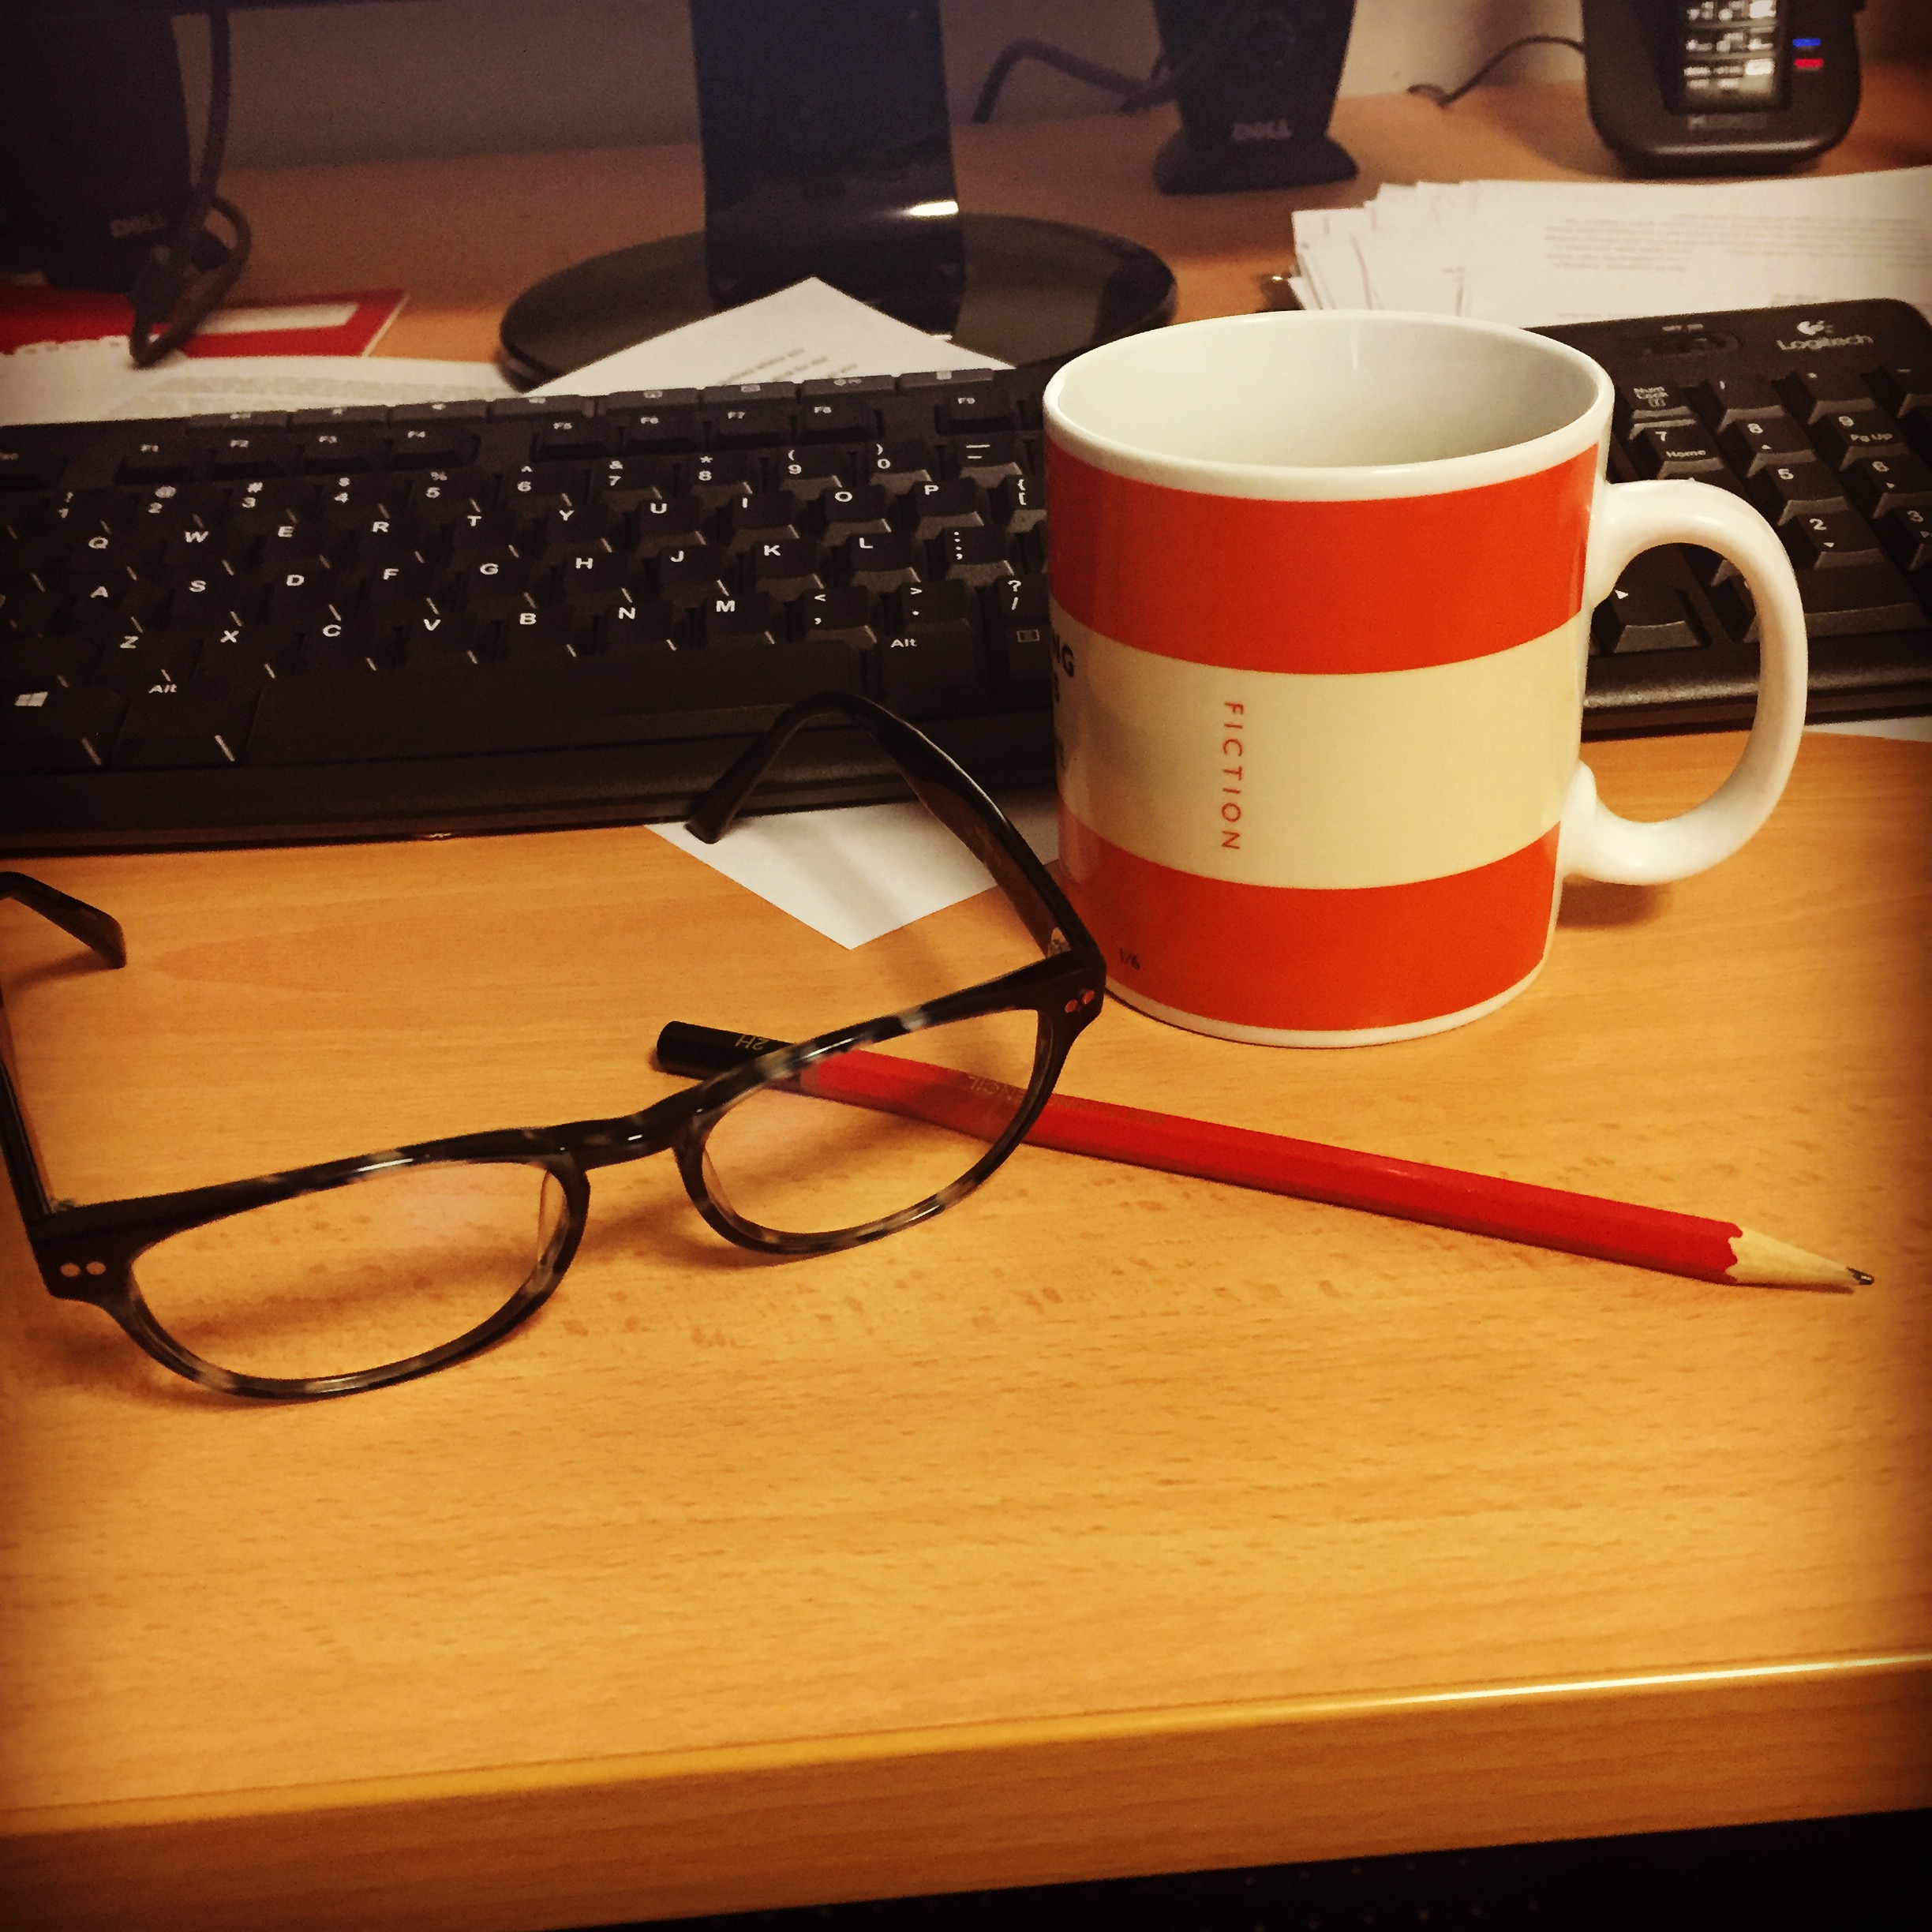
point(1036, 292)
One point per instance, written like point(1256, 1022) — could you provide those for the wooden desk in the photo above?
point(1112, 1523)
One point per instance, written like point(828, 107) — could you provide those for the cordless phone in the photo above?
point(1731, 86)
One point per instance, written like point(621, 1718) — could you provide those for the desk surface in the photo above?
point(1115, 1522)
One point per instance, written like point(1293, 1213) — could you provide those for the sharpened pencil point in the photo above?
point(1764, 1262)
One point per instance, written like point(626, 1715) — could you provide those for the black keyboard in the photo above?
point(357, 622)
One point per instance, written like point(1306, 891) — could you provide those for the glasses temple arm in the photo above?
point(965, 1102)
point(102, 935)
point(948, 793)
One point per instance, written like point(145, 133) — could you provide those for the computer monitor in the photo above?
point(827, 152)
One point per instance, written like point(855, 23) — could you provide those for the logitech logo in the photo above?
point(1814, 328)
point(1817, 335)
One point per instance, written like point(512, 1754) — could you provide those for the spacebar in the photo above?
point(442, 710)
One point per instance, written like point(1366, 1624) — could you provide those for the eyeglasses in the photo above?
point(354, 1274)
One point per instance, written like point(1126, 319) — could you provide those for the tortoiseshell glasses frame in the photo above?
point(88, 1253)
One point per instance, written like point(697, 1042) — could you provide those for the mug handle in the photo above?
point(1594, 842)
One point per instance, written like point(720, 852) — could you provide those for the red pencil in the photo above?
point(1586, 1224)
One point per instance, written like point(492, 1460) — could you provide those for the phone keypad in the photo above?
point(1728, 56)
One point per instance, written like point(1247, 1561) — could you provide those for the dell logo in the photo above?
point(1261, 131)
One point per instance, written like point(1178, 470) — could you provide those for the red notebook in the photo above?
point(349, 325)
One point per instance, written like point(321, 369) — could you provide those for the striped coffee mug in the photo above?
point(1322, 586)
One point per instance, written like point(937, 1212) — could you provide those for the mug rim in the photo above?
point(1229, 477)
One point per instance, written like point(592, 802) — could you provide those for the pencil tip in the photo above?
point(1859, 1276)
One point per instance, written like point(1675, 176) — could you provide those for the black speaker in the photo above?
point(1256, 116)
point(93, 144)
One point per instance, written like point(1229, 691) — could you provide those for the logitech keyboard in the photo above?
point(353, 623)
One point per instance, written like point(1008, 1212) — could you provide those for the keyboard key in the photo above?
point(865, 511)
point(1870, 433)
point(789, 569)
point(426, 446)
point(1857, 600)
point(837, 419)
point(883, 564)
point(752, 425)
point(1722, 400)
point(162, 461)
point(1881, 485)
point(1811, 394)
point(971, 410)
point(756, 617)
point(978, 557)
point(140, 663)
point(850, 615)
point(897, 467)
point(1675, 449)
point(49, 726)
point(1639, 405)
point(1901, 387)
point(176, 727)
point(1907, 534)
point(1829, 542)
point(1645, 612)
point(1757, 443)
point(1789, 490)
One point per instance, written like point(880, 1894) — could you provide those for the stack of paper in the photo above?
point(1535, 253)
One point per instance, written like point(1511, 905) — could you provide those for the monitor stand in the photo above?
point(828, 152)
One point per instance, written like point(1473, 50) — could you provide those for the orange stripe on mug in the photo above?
point(1388, 583)
point(1299, 959)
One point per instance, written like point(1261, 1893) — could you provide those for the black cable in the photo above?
point(165, 314)
point(1214, 47)
point(1430, 91)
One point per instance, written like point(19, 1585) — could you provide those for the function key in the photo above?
point(919, 381)
point(837, 419)
point(1722, 400)
point(1639, 404)
point(521, 409)
point(465, 409)
point(965, 410)
point(161, 462)
point(340, 413)
point(427, 445)
point(336, 451)
point(666, 429)
point(750, 424)
point(245, 453)
point(729, 395)
point(1675, 449)
point(1814, 394)
point(241, 419)
point(571, 439)
point(620, 400)
point(846, 386)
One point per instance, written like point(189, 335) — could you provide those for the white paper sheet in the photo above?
point(95, 382)
point(806, 333)
point(857, 871)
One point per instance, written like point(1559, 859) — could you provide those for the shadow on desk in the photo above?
point(1873, 1872)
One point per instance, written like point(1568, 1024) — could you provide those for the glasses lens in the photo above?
point(863, 1135)
point(357, 1276)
